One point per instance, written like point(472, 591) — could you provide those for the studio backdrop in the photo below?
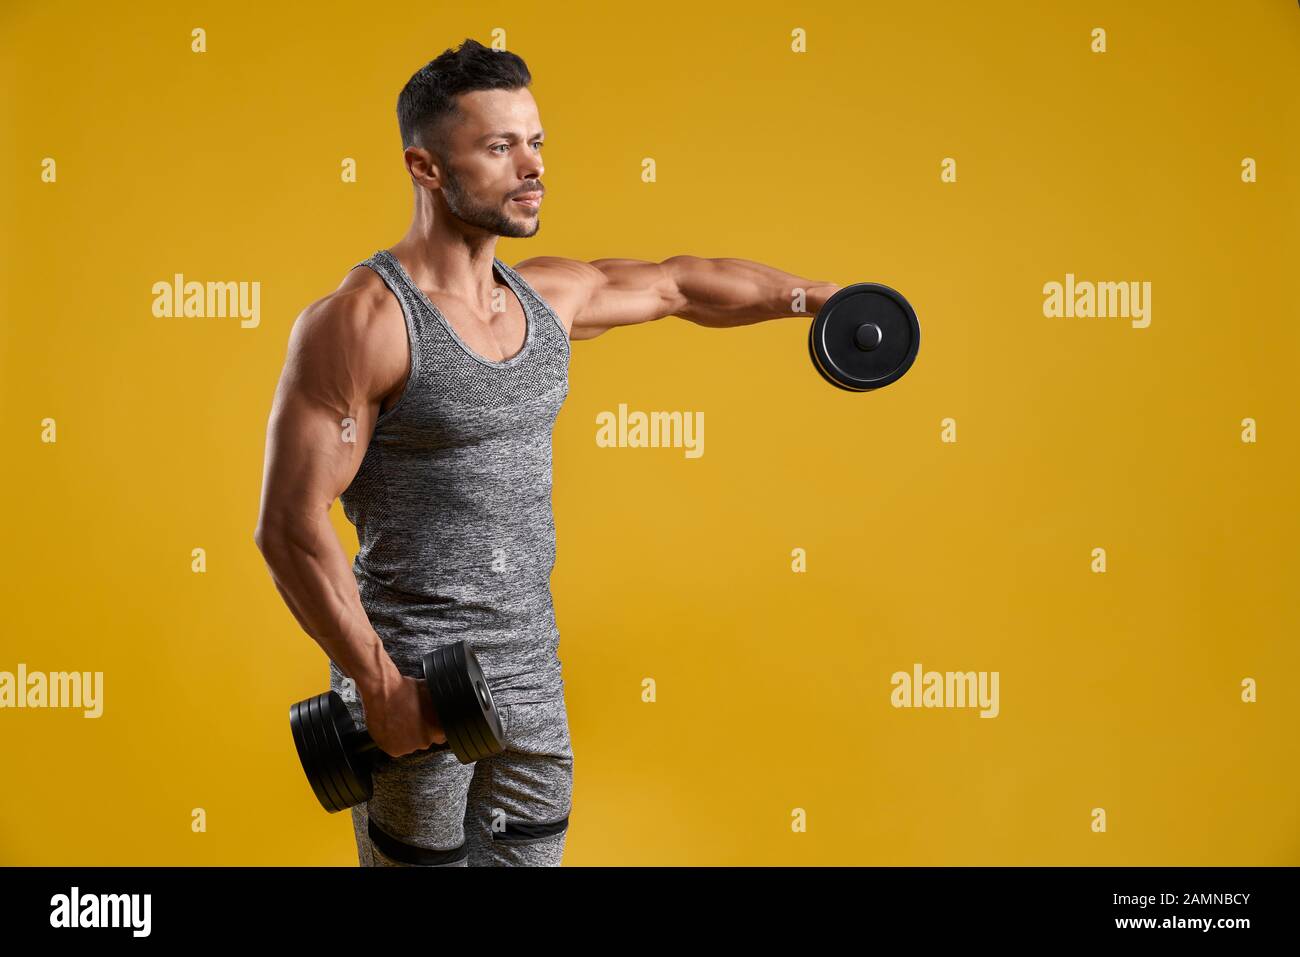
point(1035, 603)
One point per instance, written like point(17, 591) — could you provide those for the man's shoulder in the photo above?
point(361, 307)
point(564, 284)
point(359, 326)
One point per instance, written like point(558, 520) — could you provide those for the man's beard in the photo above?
point(489, 218)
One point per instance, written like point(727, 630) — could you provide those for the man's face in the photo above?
point(496, 156)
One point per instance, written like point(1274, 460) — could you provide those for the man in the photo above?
point(423, 392)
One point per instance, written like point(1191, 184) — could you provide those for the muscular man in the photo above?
point(423, 392)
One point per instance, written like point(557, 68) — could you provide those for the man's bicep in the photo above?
point(607, 293)
point(625, 292)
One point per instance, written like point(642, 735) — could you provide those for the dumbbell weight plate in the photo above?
point(864, 337)
point(355, 771)
point(471, 720)
point(463, 700)
point(321, 725)
point(311, 739)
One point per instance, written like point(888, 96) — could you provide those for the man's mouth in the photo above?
point(531, 200)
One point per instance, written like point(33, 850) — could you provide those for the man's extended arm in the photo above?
point(719, 293)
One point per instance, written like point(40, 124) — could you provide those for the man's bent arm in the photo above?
point(320, 424)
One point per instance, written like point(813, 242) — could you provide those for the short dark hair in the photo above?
point(428, 99)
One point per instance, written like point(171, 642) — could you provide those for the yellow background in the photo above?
point(1118, 690)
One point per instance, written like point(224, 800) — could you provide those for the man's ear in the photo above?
point(424, 166)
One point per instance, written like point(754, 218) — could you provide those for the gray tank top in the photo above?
point(452, 502)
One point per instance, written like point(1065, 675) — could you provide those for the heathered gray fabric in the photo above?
point(452, 502)
point(507, 810)
point(452, 505)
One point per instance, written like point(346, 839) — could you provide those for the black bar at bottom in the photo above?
point(330, 906)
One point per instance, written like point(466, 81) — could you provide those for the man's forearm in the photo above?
point(735, 292)
point(311, 572)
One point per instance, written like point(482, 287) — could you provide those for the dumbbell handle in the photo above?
point(361, 743)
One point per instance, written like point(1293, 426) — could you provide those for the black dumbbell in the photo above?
point(338, 756)
point(864, 337)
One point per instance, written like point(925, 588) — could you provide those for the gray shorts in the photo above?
point(429, 810)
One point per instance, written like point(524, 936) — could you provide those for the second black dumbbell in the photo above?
point(337, 756)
